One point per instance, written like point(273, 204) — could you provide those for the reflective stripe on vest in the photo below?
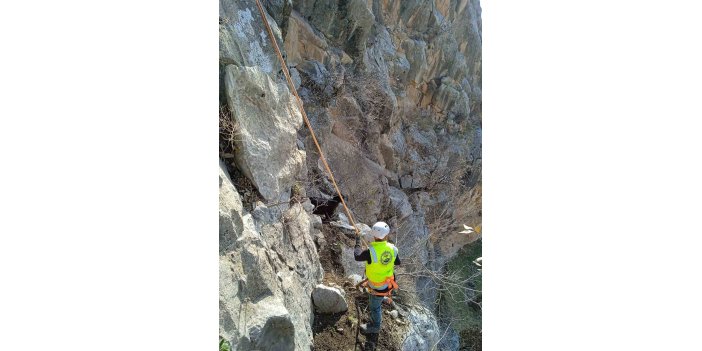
point(382, 263)
point(374, 256)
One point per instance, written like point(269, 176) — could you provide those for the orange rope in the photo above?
point(304, 115)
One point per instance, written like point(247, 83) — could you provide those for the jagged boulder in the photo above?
point(269, 326)
point(415, 52)
point(424, 332)
point(328, 299)
point(303, 43)
point(267, 119)
point(234, 222)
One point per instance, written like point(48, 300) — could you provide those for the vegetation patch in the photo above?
point(464, 310)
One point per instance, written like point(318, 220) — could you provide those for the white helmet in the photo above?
point(380, 230)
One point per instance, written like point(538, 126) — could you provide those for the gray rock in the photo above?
point(451, 98)
point(268, 124)
point(406, 181)
point(308, 206)
point(343, 222)
point(279, 9)
point(320, 240)
point(329, 300)
point(400, 202)
point(315, 73)
point(351, 266)
point(423, 333)
point(415, 51)
point(394, 314)
point(354, 279)
point(348, 229)
point(234, 222)
point(417, 14)
point(297, 80)
point(269, 325)
point(315, 220)
point(422, 201)
point(243, 39)
point(450, 340)
point(347, 23)
point(263, 303)
point(266, 215)
point(302, 42)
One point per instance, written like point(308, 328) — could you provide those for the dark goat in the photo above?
point(325, 207)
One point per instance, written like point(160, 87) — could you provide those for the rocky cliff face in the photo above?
point(264, 257)
point(392, 89)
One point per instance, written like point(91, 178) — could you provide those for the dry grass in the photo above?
point(229, 133)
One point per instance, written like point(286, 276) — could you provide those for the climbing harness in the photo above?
point(390, 282)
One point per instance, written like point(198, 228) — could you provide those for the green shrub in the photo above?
point(224, 345)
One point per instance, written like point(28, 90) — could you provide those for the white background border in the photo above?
point(108, 194)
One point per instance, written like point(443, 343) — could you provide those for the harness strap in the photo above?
point(390, 282)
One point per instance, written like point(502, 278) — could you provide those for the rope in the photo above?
point(358, 323)
point(304, 114)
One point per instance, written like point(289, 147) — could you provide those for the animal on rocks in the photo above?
point(325, 207)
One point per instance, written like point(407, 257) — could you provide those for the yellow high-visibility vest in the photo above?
point(383, 256)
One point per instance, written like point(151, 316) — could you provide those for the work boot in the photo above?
point(365, 329)
point(371, 341)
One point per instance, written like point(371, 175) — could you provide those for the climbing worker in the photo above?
point(380, 259)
